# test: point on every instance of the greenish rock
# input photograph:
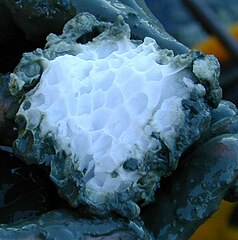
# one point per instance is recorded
(186, 199)
(34, 148)
(206, 147)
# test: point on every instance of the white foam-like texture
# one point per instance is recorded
(103, 105)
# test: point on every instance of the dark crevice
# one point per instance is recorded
(11, 51)
(89, 36)
(233, 220)
(25, 190)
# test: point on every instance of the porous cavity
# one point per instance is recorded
(104, 105)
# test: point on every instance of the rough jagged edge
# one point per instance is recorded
(82, 27)
(124, 201)
(28, 72)
(33, 149)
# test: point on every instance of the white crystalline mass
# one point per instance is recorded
(103, 105)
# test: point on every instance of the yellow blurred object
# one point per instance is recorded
(218, 227)
(213, 46)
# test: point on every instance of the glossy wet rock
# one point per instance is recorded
(38, 18)
(191, 83)
(207, 173)
(174, 216)
(64, 224)
(25, 24)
